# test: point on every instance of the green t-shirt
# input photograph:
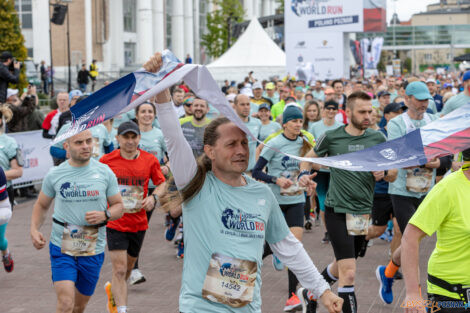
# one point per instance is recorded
(454, 103)
(77, 190)
(396, 128)
(277, 109)
(8, 147)
(280, 165)
(445, 210)
(232, 221)
(349, 192)
(268, 129)
(194, 134)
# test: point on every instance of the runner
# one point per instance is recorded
(216, 193)
(51, 122)
(81, 189)
(242, 108)
(350, 194)
(258, 99)
(5, 215)
(412, 184)
(444, 211)
(133, 168)
(462, 98)
(312, 114)
(193, 126)
(281, 177)
(278, 108)
(268, 126)
(151, 141)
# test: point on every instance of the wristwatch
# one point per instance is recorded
(107, 214)
(273, 179)
(157, 200)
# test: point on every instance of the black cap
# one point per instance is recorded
(331, 103)
(383, 93)
(393, 107)
(6, 55)
(128, 126)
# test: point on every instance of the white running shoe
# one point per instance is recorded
(136, 277)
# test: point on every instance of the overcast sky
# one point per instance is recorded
(406, 8)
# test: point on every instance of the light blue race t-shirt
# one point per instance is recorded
(280, 165)
(8, 147)
(254, 125)
(455, 102)
(318, 128)
(268, 129)
(232, 221)
(77, 190)
(153, 142)
(396, 128)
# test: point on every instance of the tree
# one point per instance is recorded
(219, 22)
(11, 38)
(280, 8)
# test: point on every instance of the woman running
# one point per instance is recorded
(281, 177)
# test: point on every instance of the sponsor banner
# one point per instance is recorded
(323, 15)
(37, 160)
(315, 56)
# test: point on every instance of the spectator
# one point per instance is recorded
(9, 73)
(82, 78)
(225, 87)
(93, 74)
(188, 59)
(51, 122)
(44, 78)
(26, 116)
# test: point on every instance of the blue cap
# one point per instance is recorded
(291, 112)
(466, 76)
(447, 85)
(419, 90)
(383, 93)
(75, 93)
(264, 106)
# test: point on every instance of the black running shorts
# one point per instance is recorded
(382, 208)
(131, 242)
(404, 208)
(344, 245)
(294, 214)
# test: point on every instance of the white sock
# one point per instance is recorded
(122, 309)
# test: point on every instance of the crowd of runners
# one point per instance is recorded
(216, 185)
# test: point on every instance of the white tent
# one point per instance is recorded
(253, 51)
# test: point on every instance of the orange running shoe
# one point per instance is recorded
(293, 304)
(112, 308)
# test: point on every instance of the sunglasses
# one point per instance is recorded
(331, 109)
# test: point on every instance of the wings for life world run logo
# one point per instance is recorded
(236, 219)
(73, 190)
(289, 166)
(315, 7)
(232, 271)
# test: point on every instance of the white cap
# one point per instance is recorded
(430, 80)
(230, 97)
(257, 85)
(11, 92)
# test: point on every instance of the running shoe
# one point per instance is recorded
(178, 238)
(385, 290)
(293, 304)
(277, 264)
(326, 239)
(8, 263)
(398, 275)
(309, 304)
(171, 229)
(317, 220)
(112, 308)
(308, 223)
(136, 277)
(180, 253)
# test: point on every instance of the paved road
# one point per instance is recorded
(29, 287)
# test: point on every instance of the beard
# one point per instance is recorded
(199, 116)
(358, 124)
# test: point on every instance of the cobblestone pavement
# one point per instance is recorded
(29, 287)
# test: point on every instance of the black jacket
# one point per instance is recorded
(82, 77)
(7, 77)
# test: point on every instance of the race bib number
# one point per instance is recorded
(132, 197)
(96, 148)
(357, 224)
(230, 281)
(79, 240)
(295, 189)
(418, 179)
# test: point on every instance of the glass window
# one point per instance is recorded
(168, 13)
(129, 53)
(129, 15)
(24, 10)
(428, 57)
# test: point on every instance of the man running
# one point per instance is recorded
(227, 217)
(193, 126)
(133, 168)
(412, 184)
(444, 211)
(350, 194)
(81, 189)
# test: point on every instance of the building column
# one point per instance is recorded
(158, 26)
(197, 35)
(256, 8)
(88, 33)
(144, 31)
(248, 7)
(113, 50)
(41, 49)
(188, 29)
(177, 29)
